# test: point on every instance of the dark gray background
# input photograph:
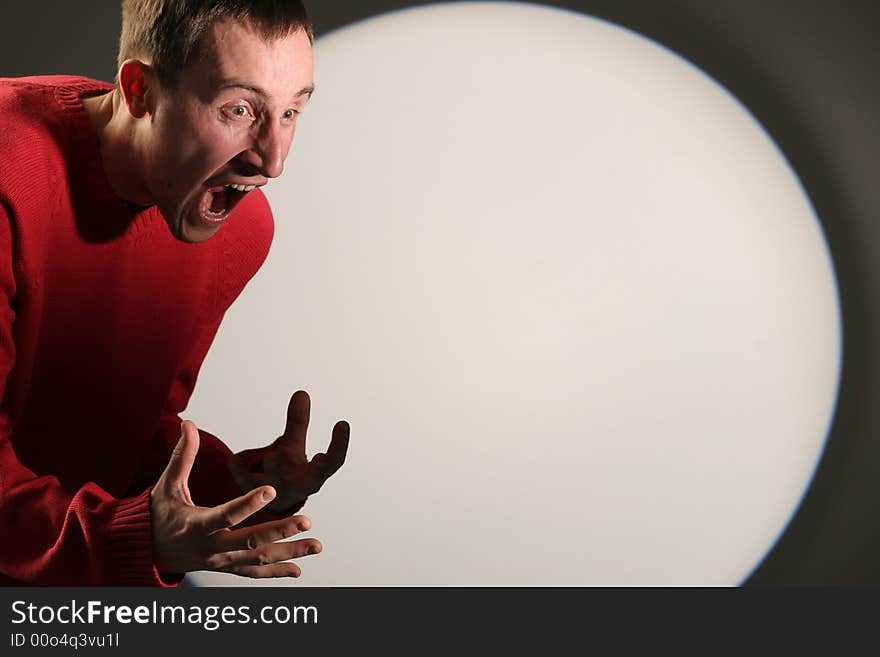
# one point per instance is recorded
(807, 71)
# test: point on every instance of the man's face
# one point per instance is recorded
(227, 127)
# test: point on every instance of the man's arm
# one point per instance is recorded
(54, 535)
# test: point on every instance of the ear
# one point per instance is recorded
(135, 81)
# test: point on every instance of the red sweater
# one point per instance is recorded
(105, 319)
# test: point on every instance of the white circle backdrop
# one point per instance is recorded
(570, 296)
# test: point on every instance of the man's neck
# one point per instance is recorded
(115, 131)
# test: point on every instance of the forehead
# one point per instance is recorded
(233, 51)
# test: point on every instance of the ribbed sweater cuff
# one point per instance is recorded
(131, 544)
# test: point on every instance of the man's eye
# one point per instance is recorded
(238, 111)
(289, 114)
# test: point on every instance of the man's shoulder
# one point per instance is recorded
(25, 108)
(41, 83)
(38, 116)
(33, 106)
(34, 96)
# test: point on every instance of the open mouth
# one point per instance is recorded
(218, 202)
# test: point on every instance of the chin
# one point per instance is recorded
(195, 235)
(193, 230)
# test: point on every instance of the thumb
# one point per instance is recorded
(182, 458)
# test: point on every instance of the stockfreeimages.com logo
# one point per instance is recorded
(210, 617)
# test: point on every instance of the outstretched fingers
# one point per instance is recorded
(297, 426)
(250, 538)
(265, 560)
(338, 446)
(329, 463)
(283, 569)
(236, 511)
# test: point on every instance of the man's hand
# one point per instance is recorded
(187, 537)
(285, 466)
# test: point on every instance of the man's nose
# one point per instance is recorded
(267, 151)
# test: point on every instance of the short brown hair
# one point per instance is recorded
(168, 33)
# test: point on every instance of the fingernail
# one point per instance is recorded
(268, 495)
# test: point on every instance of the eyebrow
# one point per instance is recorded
(236, 84)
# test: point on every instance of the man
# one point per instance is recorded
(130, 219)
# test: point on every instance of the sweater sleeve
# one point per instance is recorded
(53, 535)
